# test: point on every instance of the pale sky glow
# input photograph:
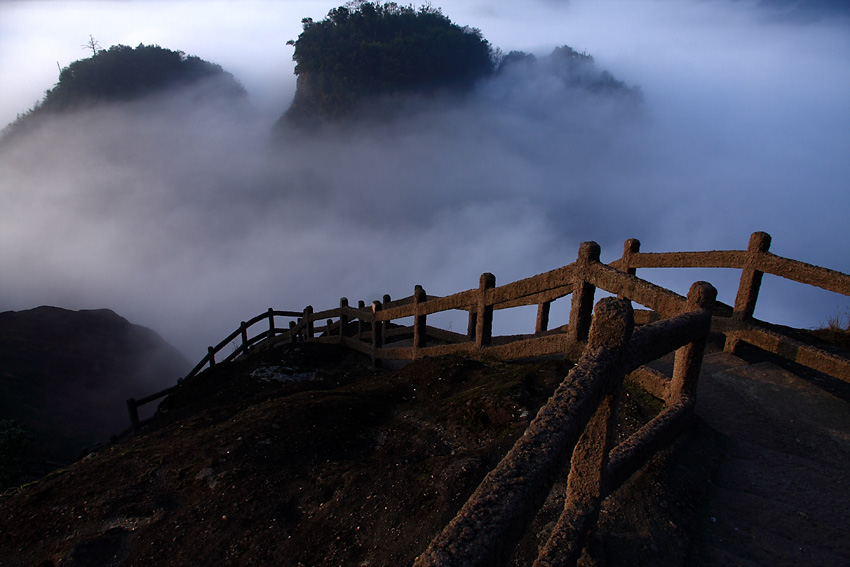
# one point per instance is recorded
(746, 126)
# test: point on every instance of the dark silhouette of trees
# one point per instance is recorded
(92, 44)
(364, 49)
(123, 73)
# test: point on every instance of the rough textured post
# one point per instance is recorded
(343, 317)
(309, 330)
(494, 518)
(243, 330)
(377, 335)
(542, 324)
(211, 356)
(271, 322)
(361, 305)
(420, 329)
(293, 337)
(688, 359)
(484, 320)
(133, 410)
(471, 326)
(587, 482)
(386, 300)
(581, 309)
(586, 486)
(748, 289)
(630, 247)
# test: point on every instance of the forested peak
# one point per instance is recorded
(363, 49)
(123, 73)
(575, 69)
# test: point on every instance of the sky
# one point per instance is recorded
(182, 218)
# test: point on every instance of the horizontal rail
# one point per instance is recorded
(790, 349)
(708, 259)
(657, 298)
(804, 273)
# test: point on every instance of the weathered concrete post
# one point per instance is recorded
(386, 300)
(688, 359)
(581, 309)
(211, 356)
(309, 329)
(343, 317)
(293, 336)
(243, 330)
(613, 324)
(748, 289)
(361, 305)
(420, 329)
(484, 319)
(133, 410)
(472, 324)
(630, 247)
(271, 322)
(542, 324)
(377, 335)
(486, 529)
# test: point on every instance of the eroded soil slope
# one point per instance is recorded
(337, 464)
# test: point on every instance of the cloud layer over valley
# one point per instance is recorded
(181, 216)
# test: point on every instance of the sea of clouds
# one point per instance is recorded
(184, 217)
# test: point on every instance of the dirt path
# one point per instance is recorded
(780, 494)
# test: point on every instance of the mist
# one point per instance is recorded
(185, 218)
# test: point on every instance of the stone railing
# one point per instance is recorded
(209, 360)
(583, 407)
(576, 424)
(738, 324)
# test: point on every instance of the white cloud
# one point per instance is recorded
(180, 219)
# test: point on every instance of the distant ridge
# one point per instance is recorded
(64, 375)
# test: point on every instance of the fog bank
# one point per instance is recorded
(181, 217)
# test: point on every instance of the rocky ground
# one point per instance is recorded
(302, 456)
(306, 455)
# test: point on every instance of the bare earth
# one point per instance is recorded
(346, 465)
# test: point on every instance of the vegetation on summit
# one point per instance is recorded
(364, 49)
(364, 52)
(123, 73)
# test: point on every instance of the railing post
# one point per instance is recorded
(473, 323)
(271, 322)
(587, 484)
(542, 324)
(688, 361)
(420, 329)
(630, 247)
(377, 335)
(748, 289)
(361, 305)
(386, 300)
(581, 309)
(343, 317)
(133, 410)
(211, 356)
(309, 330)
(487, 527)
(243, 330)
(484, 319)
(612, 328)
(293, 337)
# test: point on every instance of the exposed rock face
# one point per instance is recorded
(65, 375)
